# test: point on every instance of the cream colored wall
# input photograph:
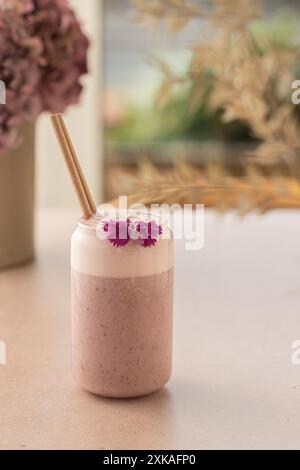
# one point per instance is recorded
(85, 124)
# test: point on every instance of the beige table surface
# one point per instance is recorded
(237, 311)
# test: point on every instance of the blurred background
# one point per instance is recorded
(84, 121)
(148, 120)
(125, 127)
(152, 126)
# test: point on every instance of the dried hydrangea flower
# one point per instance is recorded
(43, 54)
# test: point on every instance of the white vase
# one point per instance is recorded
(17, 202)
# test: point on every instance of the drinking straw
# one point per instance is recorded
(82, 190)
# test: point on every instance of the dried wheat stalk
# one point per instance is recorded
(213, 187)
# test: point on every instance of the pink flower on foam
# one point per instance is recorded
(117, 232)
(120, 232)
(149, 233)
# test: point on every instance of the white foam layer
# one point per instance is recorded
(96, 257)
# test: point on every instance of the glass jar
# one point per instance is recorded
(122, 309)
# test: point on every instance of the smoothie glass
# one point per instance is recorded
(122, 310)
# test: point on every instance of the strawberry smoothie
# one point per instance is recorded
(122, 314)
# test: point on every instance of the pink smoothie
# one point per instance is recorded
(122, 313)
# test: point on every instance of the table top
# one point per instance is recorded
(236, 316)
